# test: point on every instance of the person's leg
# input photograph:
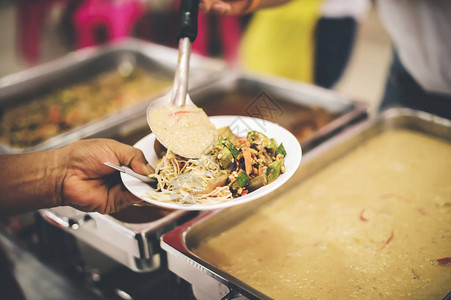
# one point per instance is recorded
(401, 90)
(334, 40)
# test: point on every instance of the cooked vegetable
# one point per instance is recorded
(257, 182)
(227, 133)
(247, 160)
(258, 138)
(242, 180)
(226, 142)
(220, 181)
(254, 161)
(281, 150)
(272, 146)
(274, 170)
(225, 158)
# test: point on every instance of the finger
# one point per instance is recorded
(205, 5)
(234, 8)
(122, 198)
(132, 157)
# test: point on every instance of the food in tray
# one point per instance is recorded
(231, 167)
(301, 120)
(41, 118)
(374, 224)
(184, 130)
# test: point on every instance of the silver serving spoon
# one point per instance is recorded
(126, 170)
(178, 95)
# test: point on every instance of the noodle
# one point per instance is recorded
(184, 181)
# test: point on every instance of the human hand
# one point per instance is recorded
(228, 8)
(87, 184)
(235, 7)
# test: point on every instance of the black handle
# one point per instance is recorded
(189, 10)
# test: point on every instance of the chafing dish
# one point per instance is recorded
(311, 113)
(210, 282)
(83, 65)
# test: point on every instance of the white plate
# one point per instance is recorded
(240, 126)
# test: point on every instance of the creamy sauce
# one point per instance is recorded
(371, 225)
(186, 130)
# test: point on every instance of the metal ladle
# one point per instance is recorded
(178, 95)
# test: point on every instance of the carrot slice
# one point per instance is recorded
(247, 160)
(388, 241)
(180, 112)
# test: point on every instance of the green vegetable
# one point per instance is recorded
(272, 146)
(226, 142)
(242, 180)
(253, 136)
(281, 150)
(274, 170)
(226, 132)
(257, 182)
(225, 158)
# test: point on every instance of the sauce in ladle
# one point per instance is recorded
(186, 130)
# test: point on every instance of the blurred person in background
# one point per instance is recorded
(334, 38)
(307, 40)
(420, 73)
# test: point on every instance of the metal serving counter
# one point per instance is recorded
(210, 282)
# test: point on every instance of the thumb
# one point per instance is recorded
(131, 157)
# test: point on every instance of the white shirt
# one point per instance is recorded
(357, 9)
(421, 33)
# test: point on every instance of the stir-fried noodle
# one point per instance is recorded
(186, 180)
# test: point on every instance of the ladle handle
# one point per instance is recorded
(188, 33)
(189, 12)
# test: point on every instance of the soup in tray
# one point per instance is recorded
(374, 224)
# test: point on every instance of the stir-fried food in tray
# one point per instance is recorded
(232, 167)
(44, 117)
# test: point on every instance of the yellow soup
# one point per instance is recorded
(375, 224)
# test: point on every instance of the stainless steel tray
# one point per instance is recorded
(216, 283)
(267, 97)
(86, 63)
(130, 237)
(282, 101)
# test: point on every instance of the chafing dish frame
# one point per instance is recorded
(207, 278)
(135, 245)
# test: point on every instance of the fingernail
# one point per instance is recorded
(148, 169)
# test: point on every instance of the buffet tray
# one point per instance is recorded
(211, 282)
(82, 65)
(294, 105)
